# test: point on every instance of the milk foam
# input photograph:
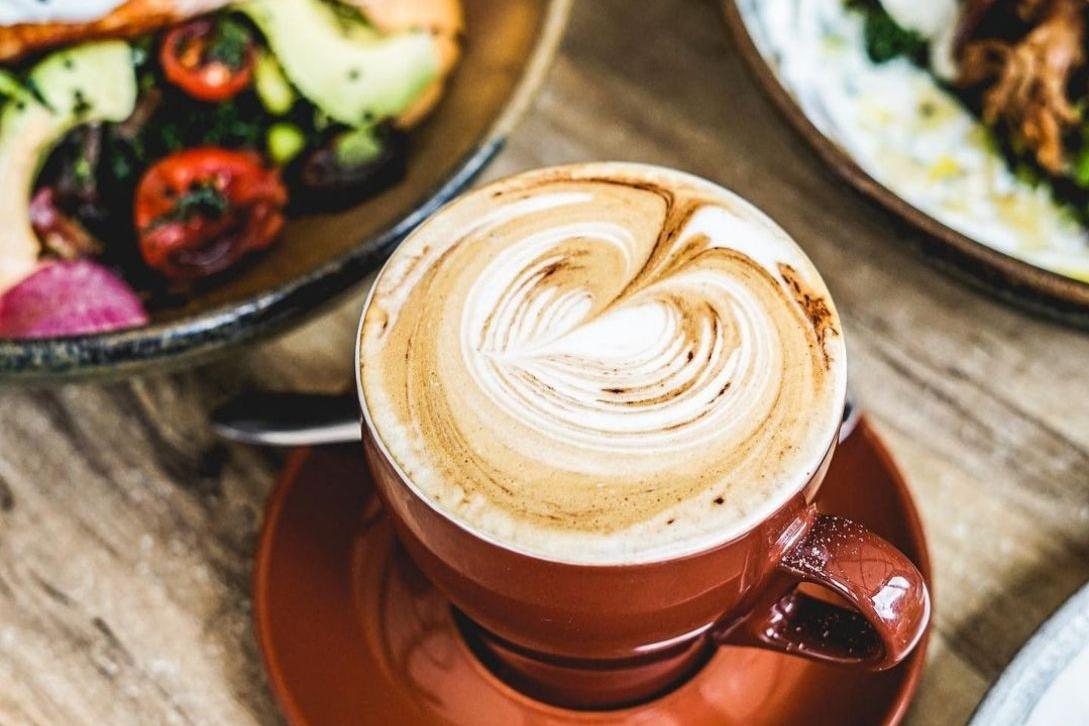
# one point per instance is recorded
(603, 363)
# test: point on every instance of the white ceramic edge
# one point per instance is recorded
(1036, 278)
(1040, 661)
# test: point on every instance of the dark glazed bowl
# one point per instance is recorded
(1014, 281)
(508, 48)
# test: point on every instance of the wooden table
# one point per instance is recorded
(126, 529)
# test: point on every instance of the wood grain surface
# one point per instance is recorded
(126, 529)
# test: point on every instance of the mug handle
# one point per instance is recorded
(889, 597)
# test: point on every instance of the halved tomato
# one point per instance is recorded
(199, 211)
(209, 60)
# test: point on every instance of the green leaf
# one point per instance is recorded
(885, 39)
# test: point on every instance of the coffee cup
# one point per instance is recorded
(598, 402)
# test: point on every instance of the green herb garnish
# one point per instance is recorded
(83, 172)
(230, 125)
(80, 105)
(201, 200)
(885, 39)
(230, 44)
(36, 93)
(1081, 169)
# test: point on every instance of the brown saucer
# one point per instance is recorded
(352, 633)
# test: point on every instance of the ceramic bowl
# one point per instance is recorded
(1011, 279)
(508, 47)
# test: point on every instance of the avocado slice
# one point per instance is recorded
(342, 65)
(10, 85)
(83, 84)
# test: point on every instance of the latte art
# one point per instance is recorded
(602, 363)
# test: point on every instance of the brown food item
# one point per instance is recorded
(444, 19)
(128, 20)
(1030, 76)
(61, 234)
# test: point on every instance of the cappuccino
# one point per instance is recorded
(602, 363)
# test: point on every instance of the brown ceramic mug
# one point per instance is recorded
(591, 635)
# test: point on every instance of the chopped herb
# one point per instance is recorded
(230, 44)
(80, 105)
(36, 92)
(349, 18)
(171, 137)
(227, 124)
(121, 167)
(885, 39)
(201, 200)
(83, 171)
(1027, 174)
(1081, 169)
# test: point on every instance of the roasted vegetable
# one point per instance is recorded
(200, 210)
(347, 168)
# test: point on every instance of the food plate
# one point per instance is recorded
(1042, 276)
(506, 53)
(1045, 683)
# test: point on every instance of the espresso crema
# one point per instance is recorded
(603, 363)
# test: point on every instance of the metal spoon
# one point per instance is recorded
(288, 419)
(310, 419)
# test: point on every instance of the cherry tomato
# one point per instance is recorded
(210, 61)
(199, 211)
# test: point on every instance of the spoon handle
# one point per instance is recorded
(312, 419)
(288, 419)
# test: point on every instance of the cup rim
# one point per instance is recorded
(749, 523)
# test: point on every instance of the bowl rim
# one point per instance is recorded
(1013, 280)
(189, 339)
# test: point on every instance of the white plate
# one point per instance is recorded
(1047, 684)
